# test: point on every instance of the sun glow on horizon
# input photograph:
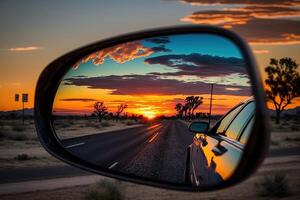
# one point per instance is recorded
(149, 114)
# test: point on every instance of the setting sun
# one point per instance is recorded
(149, 114)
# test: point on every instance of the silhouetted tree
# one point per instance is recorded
(179, 109)
(120, 109)
(100, 110)
(189, 104)
(110, 115)
(192, 103)
(185, 110)
(197, 101)
(283, 83)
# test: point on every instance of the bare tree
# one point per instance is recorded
(100, 110)
(120, 109)
(283, 83)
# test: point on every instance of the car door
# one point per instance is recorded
(215, 156)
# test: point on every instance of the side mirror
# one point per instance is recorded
(119, 107)
(199, 127)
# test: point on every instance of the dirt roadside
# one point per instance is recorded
(247, 189)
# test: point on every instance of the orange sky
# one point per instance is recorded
(28, 46)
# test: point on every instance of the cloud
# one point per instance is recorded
(30, 48)
(126, 52)
(243, 2)
(153, 85)
(121, 53)
(261, 51)
(159, 40)
(199, 65)
(79, 99)
(260, 22)
(160, 48)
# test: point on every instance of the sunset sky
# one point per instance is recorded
(152, 75)
(33, 33)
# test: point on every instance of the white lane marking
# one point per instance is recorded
(156, 134)
(113, 165)
(75, 145)
(194, 174)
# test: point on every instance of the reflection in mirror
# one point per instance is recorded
(128, 108)
(198, 127)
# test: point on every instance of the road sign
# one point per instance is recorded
(25, 97)
(17, 97)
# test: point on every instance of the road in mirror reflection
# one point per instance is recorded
(128, 108)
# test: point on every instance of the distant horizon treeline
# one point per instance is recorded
(101, 112)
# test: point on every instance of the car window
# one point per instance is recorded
(227, 119)
(247, 131)
(240, 121)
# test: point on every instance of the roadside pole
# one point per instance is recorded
(211, 95)
(24, 99)
(23, 112)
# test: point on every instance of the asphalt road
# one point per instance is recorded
(156, 152)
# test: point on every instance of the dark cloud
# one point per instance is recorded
(78, 99)
(153, 85)
(158, 40)
(80, 76)
(199, 65)
(160, 48)
(161, 41)
(269, 31)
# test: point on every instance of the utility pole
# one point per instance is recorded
(211, 96)
(23, 112)
(24, 99)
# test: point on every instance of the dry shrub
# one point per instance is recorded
(18, 127)
(104, 190)
(105, 124)
(273, 186)
(23, 157)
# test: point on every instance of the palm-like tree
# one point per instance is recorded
(191, 104)
(196, 103)
(179, 109)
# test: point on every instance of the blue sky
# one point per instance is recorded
(34, 32)
(205, 44)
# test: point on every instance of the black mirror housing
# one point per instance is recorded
(253, 152)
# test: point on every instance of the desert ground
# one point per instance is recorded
(20, 149)
(19, 145)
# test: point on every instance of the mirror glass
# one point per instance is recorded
(128, 107)
(198, 127)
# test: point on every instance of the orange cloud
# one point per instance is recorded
(243, 2)
(261, 51)
(217, 18)
(30, 48)
(261, 23)
(121, 53)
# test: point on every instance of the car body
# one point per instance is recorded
(214, 154)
